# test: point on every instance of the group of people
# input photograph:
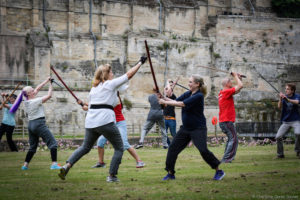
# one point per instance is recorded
(105, 121)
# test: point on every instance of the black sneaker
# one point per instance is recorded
(280, 156)
(298, 154)
(63, 173)
(98, 165)
(139, 145)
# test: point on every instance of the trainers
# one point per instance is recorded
(140, 164)
(24, 168)
(55, 166)
(169, 177)
(298, 154)
(139, 145)
(219, 175)
(111, 179)
(280, 156)
(63, 173)
(165, 147)
(98, 165)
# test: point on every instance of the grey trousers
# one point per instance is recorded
(112, 134)
(149, 124)
(232, 142)
(283, 129)
(37, 128)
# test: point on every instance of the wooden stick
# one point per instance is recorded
(182, 86)
(65, 84)
(152, 71)
(243, 76)
(174, 84)
(4, 102)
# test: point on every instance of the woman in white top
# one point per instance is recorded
(100, 119)
(37, 124)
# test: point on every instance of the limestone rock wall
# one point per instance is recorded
(231, 35)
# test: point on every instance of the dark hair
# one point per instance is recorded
(13, 96)
(292, 86)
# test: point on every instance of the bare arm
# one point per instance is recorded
(168, 99)
(238, 81)
(37, 89)
(49, 95)
(6, 106)
(279, 102)
(134, 69)
(172, 102)
(1, 103)
(293, 101)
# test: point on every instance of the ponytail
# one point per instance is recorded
(18, 101)
(101, 74)
(202, 87)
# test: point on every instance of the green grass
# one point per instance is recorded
(71, 136)
(255, 174)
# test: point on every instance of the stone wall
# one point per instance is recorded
(231, 35)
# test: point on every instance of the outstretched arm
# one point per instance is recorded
(237, 78)
(280, 101)
(293, 101)
(37, 89)
(1, 103)
(49, 95)
(134, 69)
(171, 102)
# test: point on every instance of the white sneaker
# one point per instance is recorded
(140, 164)
(111, 179)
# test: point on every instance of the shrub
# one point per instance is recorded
(286, 8)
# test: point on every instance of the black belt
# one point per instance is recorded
(39, 118)
(100, 106)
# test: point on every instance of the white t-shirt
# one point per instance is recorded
(34, 108)
(104, 93)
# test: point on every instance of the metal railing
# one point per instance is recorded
(132, 130)
(259, 129)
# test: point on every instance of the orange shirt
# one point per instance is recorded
(226, 105)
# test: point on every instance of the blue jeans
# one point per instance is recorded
(123, 131)
(170, 124)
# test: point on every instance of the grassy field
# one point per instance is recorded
(255, 174)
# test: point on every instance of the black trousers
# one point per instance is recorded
(9, 131)
(181, 140)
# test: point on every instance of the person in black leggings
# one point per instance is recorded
(8, 123)
(193, 128)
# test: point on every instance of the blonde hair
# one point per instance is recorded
(202, 87)
(101, 74)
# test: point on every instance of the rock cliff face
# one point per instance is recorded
(76, 36)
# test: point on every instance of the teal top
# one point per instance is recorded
(8, 118)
